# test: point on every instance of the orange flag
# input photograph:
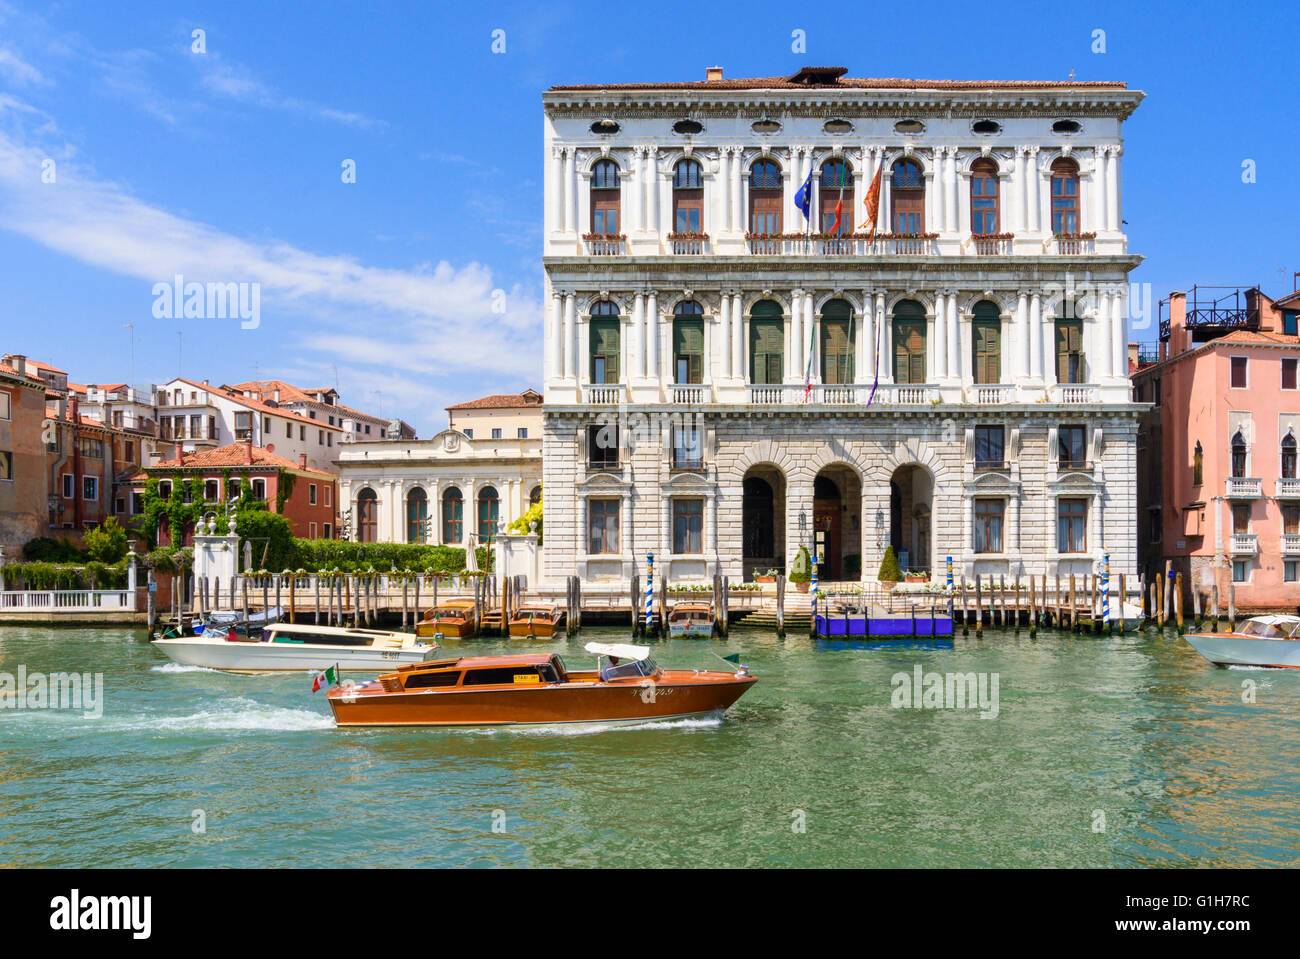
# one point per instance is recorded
(872, 203)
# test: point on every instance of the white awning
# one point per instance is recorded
(621, 650)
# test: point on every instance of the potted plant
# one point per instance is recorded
(801, 570)
(915, 577)
(765, 576)
(889, 573)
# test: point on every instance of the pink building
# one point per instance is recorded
(1218, 487)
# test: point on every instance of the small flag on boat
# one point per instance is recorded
(733, 658)
(327, 678)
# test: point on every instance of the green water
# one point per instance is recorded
(1138, 727)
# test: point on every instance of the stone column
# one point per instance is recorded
(810, 344)
(723, 182)
(1022, 345)
(1035, 337)
(886, 212)
(1017, 207)
(652, 334)
(723, 344)
(793, 334)
(571, 191)
(865, 348)
(652, 173)
(636, 208)
(642, 334)
(738, 336)
(1119, 334)
(557, 189)
(1101, 337)
(953, 203)
(555, 337)
(1048, 337)
(885, 339)
(1112, 188)
(570, 346)
(1100, 190)
(738, 223)
(1035, 205)
(939, 345)
(957, 357)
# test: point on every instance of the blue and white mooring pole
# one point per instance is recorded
(949, 583)
(814, 590)
(649, 589)
(1105, 590)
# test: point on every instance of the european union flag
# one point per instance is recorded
(803, 199)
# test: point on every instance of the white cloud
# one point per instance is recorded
(234, 81)
(18, 70)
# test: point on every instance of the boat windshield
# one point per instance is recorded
(633, 670)
(1253, 627)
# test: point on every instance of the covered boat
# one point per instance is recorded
(287, 647)
(455, 617)
(224, 620)
(1259, 641)
(537, 619)
(691, 619)
(626, 686)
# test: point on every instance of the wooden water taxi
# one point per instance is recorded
(537, 619)
(691, 619)
(537, 689)
(284, 647)
(453, 618)
(1272, 641)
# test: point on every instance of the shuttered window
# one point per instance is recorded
(604, 350)
(909, 342)
(837, 343)
(766, 343)
(1069, 351)
(986, 337)
(688, 346)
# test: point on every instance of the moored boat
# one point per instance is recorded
(691, 619)
(455, 617)
(537, 619)
(285, 647)
(626, 686)
(224, 620)
(1259, 641)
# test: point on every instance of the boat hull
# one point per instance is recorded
(674, 696)
(536, 630)
(1231, 649)
(690, 630)
(427, 629)
(283, 657)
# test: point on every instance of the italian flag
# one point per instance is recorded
(327, 678)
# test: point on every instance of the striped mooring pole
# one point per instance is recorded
(949, 572)
(1105, 591)
(814, 592)
(649, 590)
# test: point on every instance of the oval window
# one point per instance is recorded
(688, 127)
(604, 127)
(1066, 126)
(838, 126)
(766, 126)
(909, 126)
(986, 126)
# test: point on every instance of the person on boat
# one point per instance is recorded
(609, 668)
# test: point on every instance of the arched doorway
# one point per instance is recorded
(763, 521)
(367, 516)
(911, 495)
(837, 523)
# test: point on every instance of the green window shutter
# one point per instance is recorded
(604, 343)
(909, 351)
(688, 343)
(766, 349)
(988, 351)
(837, 352)
(1069, 344)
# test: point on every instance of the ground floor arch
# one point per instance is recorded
(911, 506)
(763, 520)
(837, 522)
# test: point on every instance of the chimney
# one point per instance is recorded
(1132, 357)
(712, 73)
(248, 452)
(180, 453)
(18, 362)
(1179, 334)
(302, 461)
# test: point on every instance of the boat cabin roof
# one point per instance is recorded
(693, 608)
(621, 650)
(292, 628)
(1278, 619)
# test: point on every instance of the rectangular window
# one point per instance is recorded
(837, 352)
(602, 447)
(243, 426)
(1071, 525)
(688, 448)
(602, 526)
(989, 447)
(259, 489)
(1241, 571)
(196, 425)
(1069, 351)
(988, 525)
(320, 437)
(909, 351)
(68, 486)
(137, 503)
(1290, 571)
(523, 433)
(212, 490)
(688, 350)
(988, 350)
(688, 526)
(311, 494)
(92, 448)
(688, 211)
(288, 430)
(5, 411)
(6, 465)
(266, 425)
(1071, 443)
(496, 433)
(1289, 323)
(329, 491)
(1238, 373)
(302, 434)
(90, 488)
(766, 350)
(604, 212)
(311, 530)
(604, 350)
(328, 531)
(1288, 373)
(1291, 520)
(1240, 519)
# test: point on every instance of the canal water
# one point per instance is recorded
(1123, 751)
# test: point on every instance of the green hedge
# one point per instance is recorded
(43, 575)
(316, 555)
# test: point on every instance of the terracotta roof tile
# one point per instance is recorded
(852, 83)
(230, 394)
(502, 401)
(233, 455)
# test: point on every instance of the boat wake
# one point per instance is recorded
(179, 668)
(586, 729)
(237, 714)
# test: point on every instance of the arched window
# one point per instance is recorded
(688, 197)
(836, 198)
(1065, 196)
(984, 207)
(837, 342)
(605, 198)
(535, 496)
(453, 516)
(604, 335)
(766, 343)
(909, 342)
(688, 342)
(367, 516)
(907, 196)
(1198, 464)
(1238, 455)
(765, 197)
(1288, 456)
(986, 342)
(489, 509)
(417, 515)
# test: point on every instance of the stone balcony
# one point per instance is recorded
(1288, 488)
(1243, 487)
(1245, 544)
(1291, 544)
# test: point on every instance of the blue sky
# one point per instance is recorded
(226, 165)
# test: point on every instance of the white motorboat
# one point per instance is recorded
(1259, 641)
(284, 647)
